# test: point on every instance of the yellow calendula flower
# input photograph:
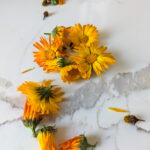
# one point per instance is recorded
(93, 57)
(86, 34)
(43, 97)
(48, 51)
(70, 73)
(46, 138)
(31, 118)
(76, 143)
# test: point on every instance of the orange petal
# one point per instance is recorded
(28, 70)
(117, 109)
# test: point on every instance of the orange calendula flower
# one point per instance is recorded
(117, 109)
(91, 58)
(86, 34)
(46, 138)
(70, 73)
(31, 118)
(62, 33)
(43, 97)
(76, 143)
(61, 2)
(48, 51)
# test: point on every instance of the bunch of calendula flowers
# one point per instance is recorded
(41, 100)
(74, 52)
(53, 2)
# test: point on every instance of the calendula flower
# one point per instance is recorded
(76, 143)
(31, 118)
(61, 2)
(46, 138)
(43, 97)
(93, 57)
(86, 34)
(131, 119)
(70, 73)
(48, 51)
(62, 33)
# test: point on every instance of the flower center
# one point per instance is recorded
(50, 54)
(91, 58)
(84, 39)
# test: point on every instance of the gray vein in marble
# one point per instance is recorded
(12, 101)
(84, 97)
(125, 83)
(92, 91)
(4, 83)
(10, 121)
(116, 145)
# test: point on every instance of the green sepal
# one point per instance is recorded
(62, 62)
(54, 31)
(54, 2)
(32, 124)
(47, 33)
(45, 129)
(45, 92)
(84, 144)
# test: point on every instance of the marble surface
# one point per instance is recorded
(124, 28)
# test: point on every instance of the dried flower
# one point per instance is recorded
(131, 119)
(46, 2)
(45, 14)
(43, 97)
(76, 143)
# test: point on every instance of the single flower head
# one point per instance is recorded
(86, 34)
(61, 2)
(131, 119)
(92, 58)
(62, 33)
(31, 118)
(48, 51)
(46, 138)
(43, 97)
(70, 73)
(76, 143)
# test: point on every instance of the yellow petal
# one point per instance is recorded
(25, 71)
(117, 109)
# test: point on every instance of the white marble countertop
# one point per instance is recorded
(124, 27)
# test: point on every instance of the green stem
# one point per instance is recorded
(89, 145)
(47, 33)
